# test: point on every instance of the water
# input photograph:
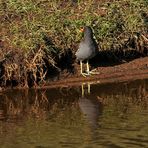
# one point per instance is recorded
(85, 116)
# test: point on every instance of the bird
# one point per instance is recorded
(87, 49)
(90, 106)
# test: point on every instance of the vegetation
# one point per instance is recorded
(36, 33)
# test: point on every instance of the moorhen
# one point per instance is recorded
(87, 49)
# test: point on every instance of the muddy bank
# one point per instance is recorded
(113, 66)
(128, 71)
(133, 70)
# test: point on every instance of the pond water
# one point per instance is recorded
(85, 116)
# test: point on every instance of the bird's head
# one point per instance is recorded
(82, 29)
(87, 31)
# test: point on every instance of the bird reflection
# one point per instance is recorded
(90, 106)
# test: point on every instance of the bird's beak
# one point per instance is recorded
(82, 30)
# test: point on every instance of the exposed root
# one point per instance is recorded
(31, 71)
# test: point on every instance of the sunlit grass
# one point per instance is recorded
(26, 20)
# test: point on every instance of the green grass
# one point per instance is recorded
(24, 21)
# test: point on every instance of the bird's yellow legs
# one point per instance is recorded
(82, 73)
(92, 71)
(83, 90)
(88, 71)
(87, 65)
(81, 67)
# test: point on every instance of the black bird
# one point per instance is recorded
(87, 49)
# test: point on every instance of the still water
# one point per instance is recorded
(84, 116)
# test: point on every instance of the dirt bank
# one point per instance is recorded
(113, 71)
(128, 71)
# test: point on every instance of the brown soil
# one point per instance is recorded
(109, 73)
(133, 70)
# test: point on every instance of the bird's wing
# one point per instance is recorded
(77, 51)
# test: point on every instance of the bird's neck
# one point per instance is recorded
(88, 38)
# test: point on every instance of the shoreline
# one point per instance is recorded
(130, 71)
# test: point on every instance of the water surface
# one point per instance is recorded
(86, 116)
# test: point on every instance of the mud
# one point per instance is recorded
(129, 71)
(111, 68)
